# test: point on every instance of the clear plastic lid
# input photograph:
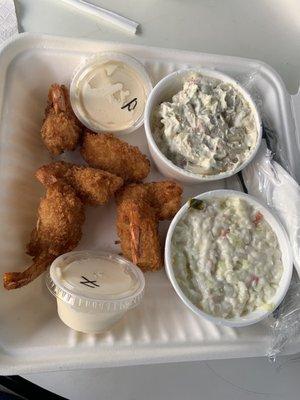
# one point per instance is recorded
(96, 280)
(109, 91)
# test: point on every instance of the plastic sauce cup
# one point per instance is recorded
(94, 289)
(109, 91)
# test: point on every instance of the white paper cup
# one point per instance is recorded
(164, 91)
(287, 261)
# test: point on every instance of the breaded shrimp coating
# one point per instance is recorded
(164, 197)
(139, 208)
(105, 151)
(58, 230)
(61, 129)
(137, 228)
(92, 185)
(60, 217)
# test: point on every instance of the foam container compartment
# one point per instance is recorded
(161, 329)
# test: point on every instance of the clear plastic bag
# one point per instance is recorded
(269, 177)
(285, 326)
(277, 148)
(265, 179)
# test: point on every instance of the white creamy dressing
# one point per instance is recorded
(97, 278)
(112, 95)
(206, 128)
(226, 257)
(92, 279)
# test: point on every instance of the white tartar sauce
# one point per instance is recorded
(206, 128)
(109, 95)
(94, 290)
(226, 257)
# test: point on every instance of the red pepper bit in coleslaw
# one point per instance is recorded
(258, 217)
(252, 279)
(224, 232)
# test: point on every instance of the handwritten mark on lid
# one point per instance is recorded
(130, 105)
(88, 283)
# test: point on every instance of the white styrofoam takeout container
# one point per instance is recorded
(161, 329)
(164, 91)
(284, 245)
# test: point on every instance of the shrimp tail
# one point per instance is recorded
(15, 280)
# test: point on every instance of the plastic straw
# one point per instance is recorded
(115, 19)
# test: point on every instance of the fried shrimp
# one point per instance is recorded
(92, 185)
(139, 209)
(164, 196)
(58, 230)
(105, 151)
(137, 228)
(61, 129)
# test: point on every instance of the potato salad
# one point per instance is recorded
(226, 257)
(207, 128)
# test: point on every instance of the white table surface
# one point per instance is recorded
(268, 30)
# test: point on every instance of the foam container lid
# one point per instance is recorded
(161, 329)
